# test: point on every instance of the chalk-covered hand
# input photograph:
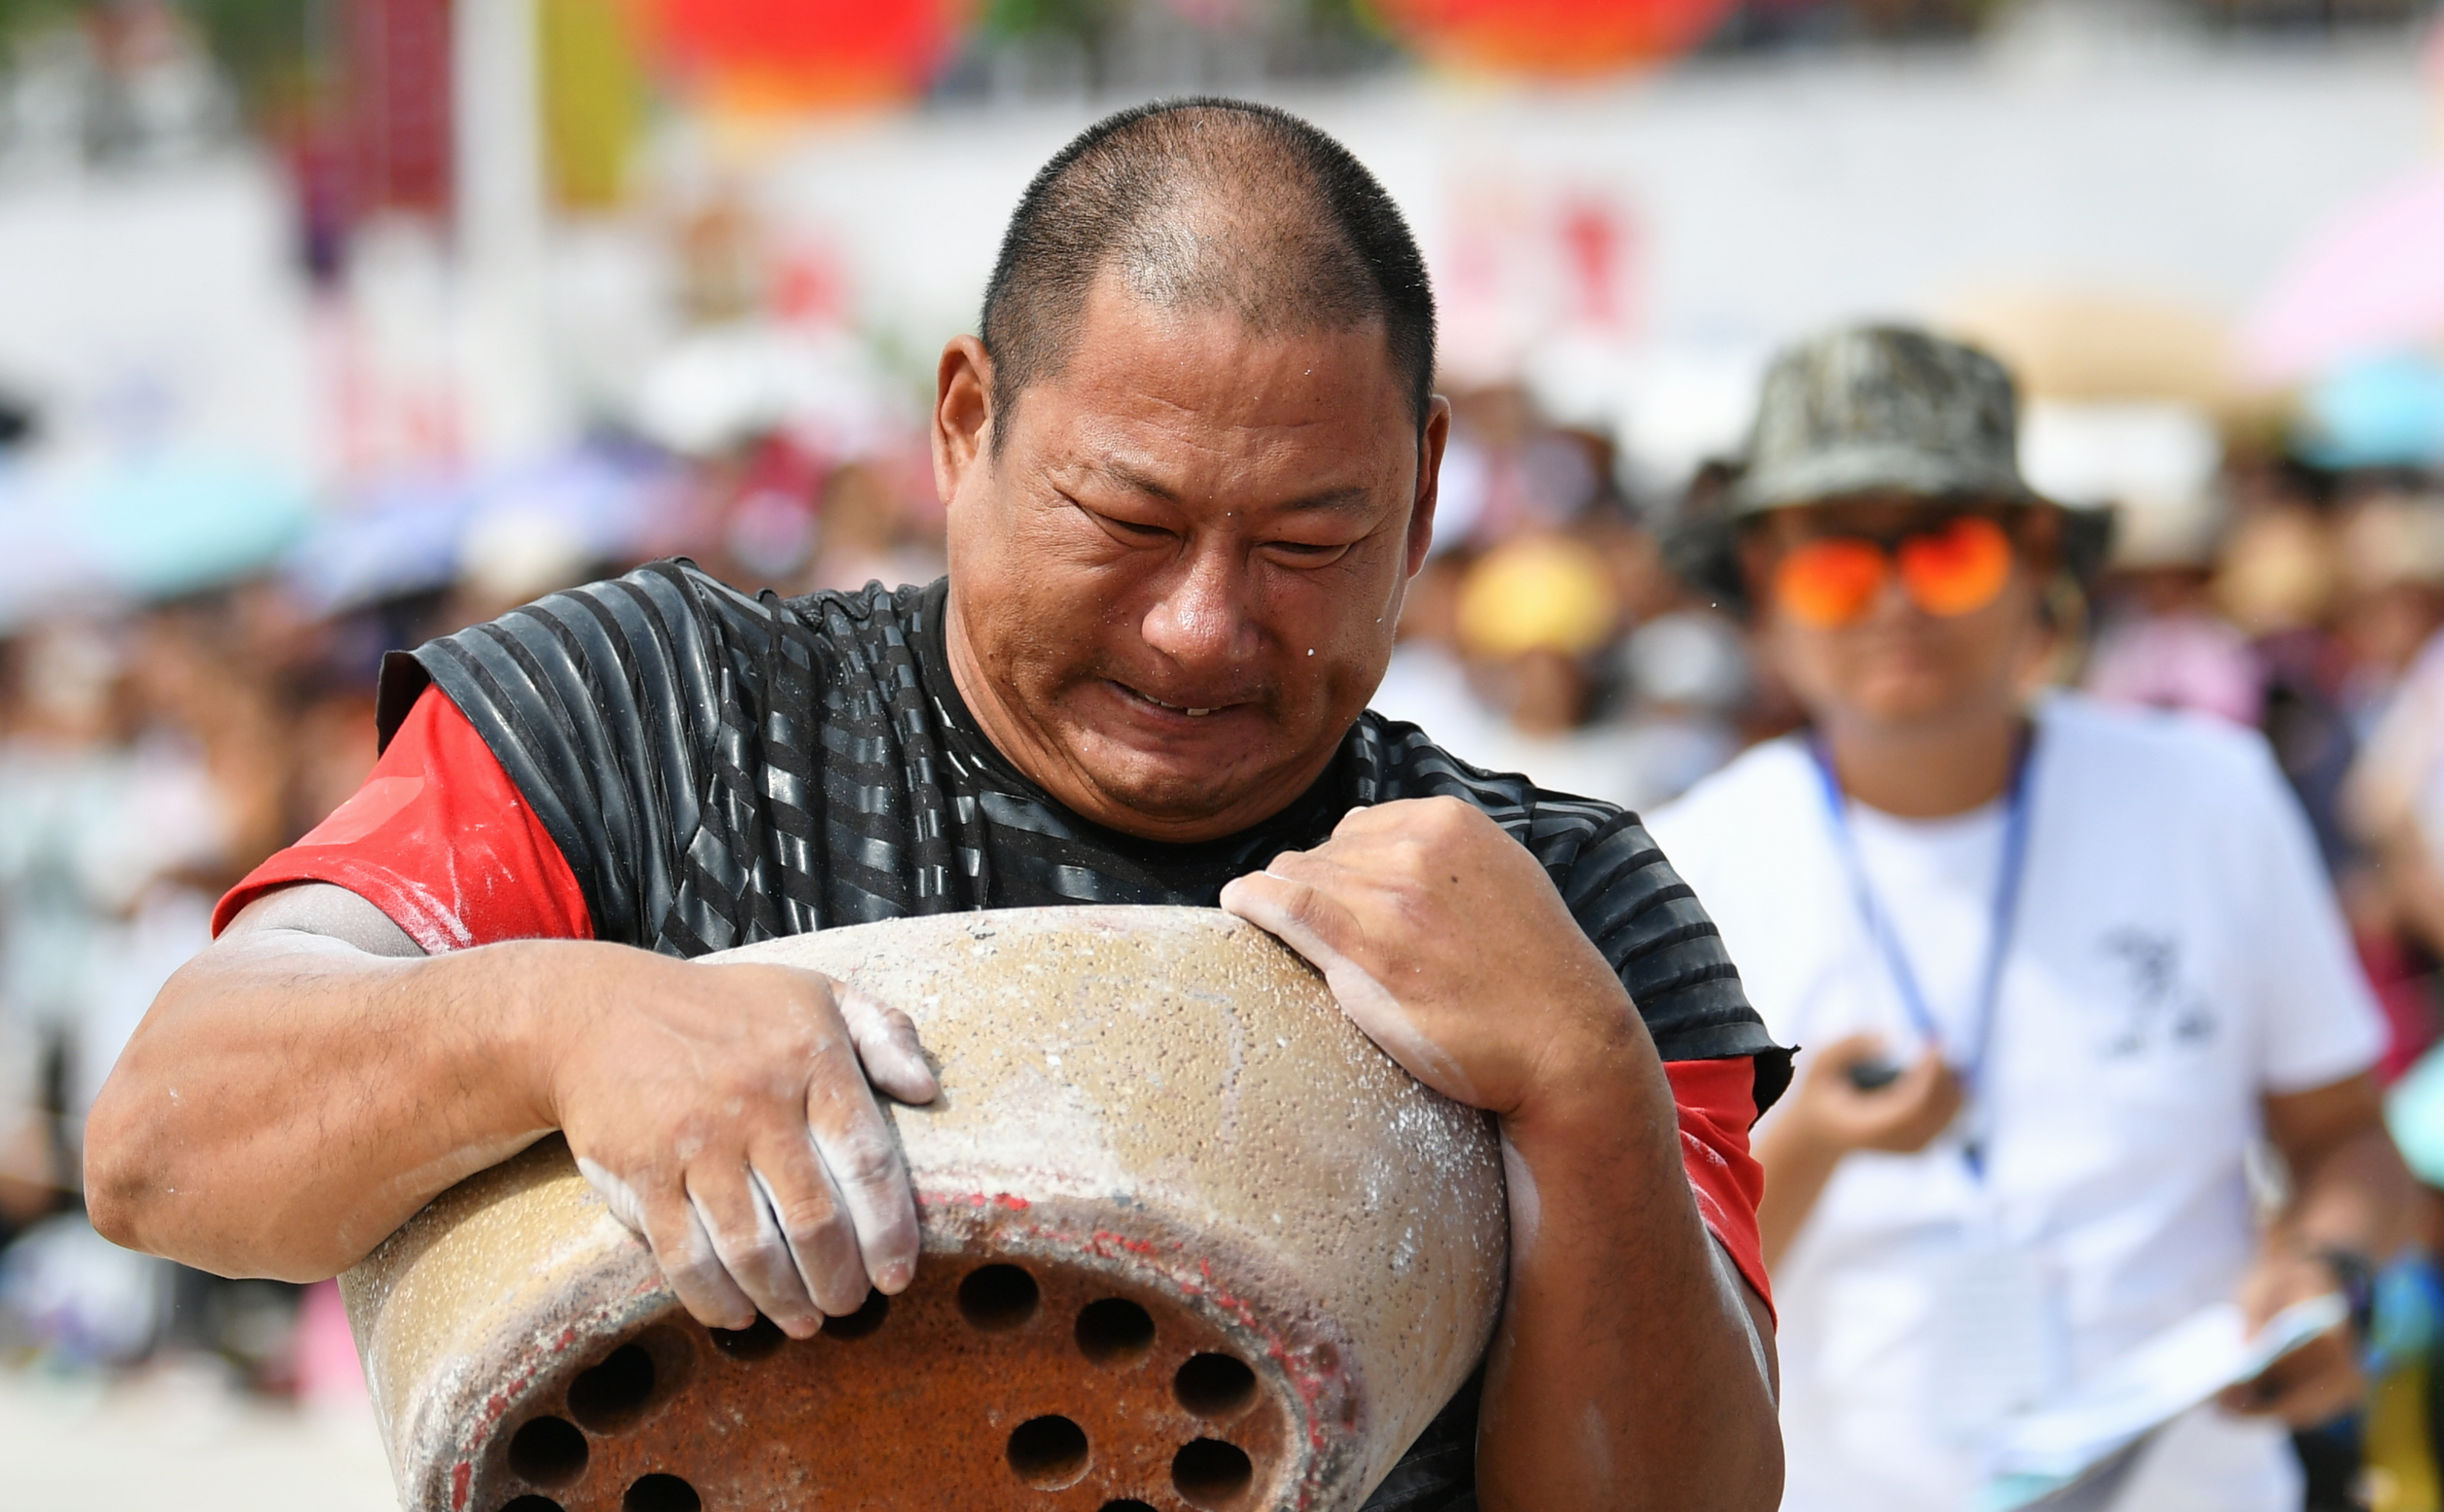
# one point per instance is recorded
(724, 1112)
(1444, 940)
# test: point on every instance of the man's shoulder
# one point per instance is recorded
(1617, 884)
(666, 613)
(903, 608)
(832, 614)
(671, 604)
(674, 736)
(1399, 761)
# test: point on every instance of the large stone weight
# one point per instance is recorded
(1190, 1242)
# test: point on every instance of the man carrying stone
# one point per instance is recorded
(1188, 470)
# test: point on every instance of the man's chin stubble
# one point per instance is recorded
(1173, 801)
(1182, 799)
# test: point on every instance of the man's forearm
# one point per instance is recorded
(292, 1099)
(2357, 1196)
(1630, 1370)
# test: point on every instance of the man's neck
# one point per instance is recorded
(1928, 770)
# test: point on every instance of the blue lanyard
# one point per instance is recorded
(1968, 1061)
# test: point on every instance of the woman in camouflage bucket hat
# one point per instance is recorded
(1868, 409)
(2060, 964)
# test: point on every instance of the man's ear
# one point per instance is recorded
(963, 417)
(1432, 437)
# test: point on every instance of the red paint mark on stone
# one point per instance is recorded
(973, 1199)
(462, 1476)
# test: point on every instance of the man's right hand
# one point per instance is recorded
(724, 1112)
(306, 1084)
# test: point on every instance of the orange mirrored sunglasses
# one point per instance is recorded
(1952, 568)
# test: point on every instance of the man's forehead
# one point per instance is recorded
(1176, 476)
(1156, 401)
(1212, 358)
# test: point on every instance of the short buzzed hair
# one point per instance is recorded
(1213, 204)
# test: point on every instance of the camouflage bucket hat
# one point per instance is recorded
(1882, 408)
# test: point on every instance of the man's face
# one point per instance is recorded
(1896, 665)
(1175, 585)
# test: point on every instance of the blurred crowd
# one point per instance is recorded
(166, 721)
(152, 754)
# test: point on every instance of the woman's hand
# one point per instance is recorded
(1830, 1109)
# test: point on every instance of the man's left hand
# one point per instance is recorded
(2320, 1380)
(1445, 941)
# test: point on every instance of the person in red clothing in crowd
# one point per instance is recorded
(1188, 467)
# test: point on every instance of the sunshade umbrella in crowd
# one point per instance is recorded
(152, 525)
(387, 540)
(590, 505)
(2382, 412)
(44, 563)
(170, 525)
(2370, 284)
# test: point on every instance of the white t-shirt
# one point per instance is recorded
(2176, 955)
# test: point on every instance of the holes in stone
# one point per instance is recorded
(1211, 1475)
(547, 1451)
(532, 1503)
(868, 1318)
(1214, 1386)
(758, 1341)
(614, 1393)
(1048, 1452)
(661, 1493)
(1131, 1505)
(1114, 1332)
(998, 1298)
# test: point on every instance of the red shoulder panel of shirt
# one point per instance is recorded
(1716, 1100)
(440, 840)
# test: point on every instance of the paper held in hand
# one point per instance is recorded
(2048, 1450)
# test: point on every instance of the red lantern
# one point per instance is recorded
(1555, 38)
(793, 54)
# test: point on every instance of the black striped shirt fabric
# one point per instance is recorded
(719, 768)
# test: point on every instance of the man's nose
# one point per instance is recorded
(1201, 614)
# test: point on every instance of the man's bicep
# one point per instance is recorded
(326, 909)
(1759, 1316)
